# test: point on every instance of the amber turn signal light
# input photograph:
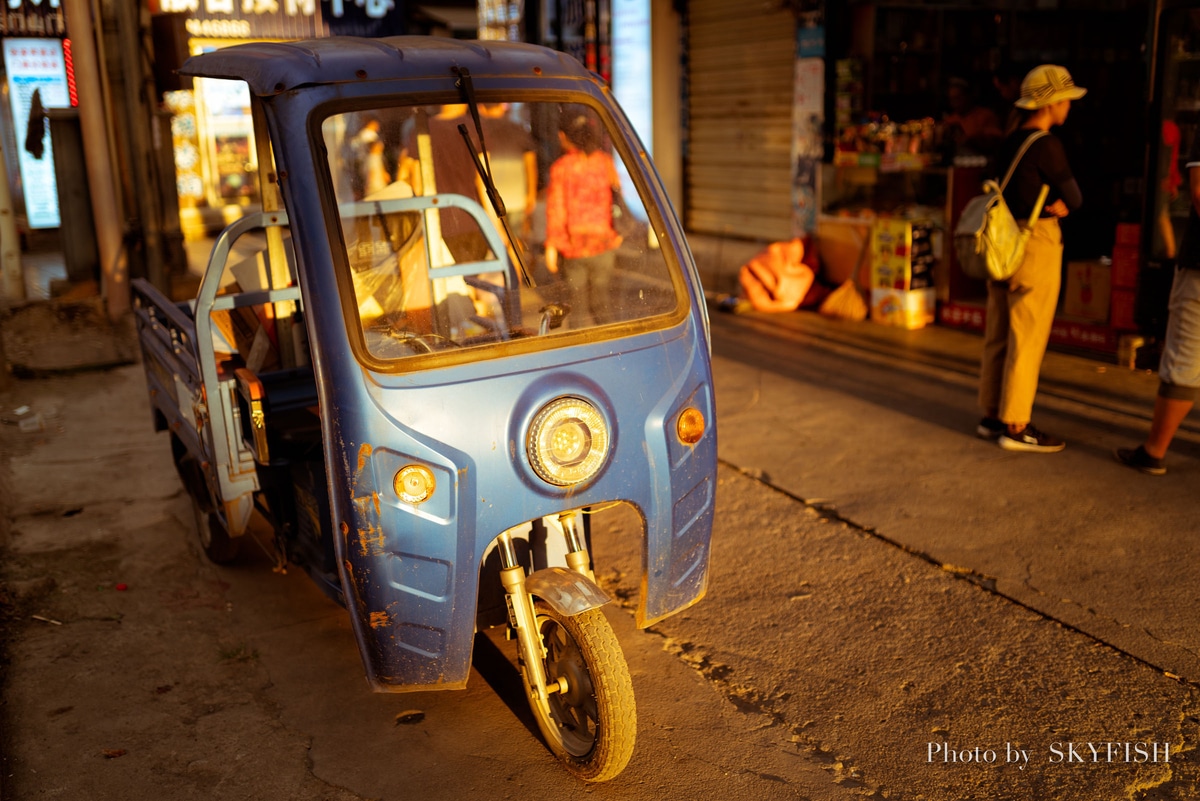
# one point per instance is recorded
(414, 484)
(690, 426)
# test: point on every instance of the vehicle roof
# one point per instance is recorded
(274, 67)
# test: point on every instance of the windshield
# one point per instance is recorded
(435, 267)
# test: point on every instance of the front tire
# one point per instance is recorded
(592, 724)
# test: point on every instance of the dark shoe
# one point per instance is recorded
(989, 428)
(1138, 459)
(1031, 440)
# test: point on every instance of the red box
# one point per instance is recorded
(1129, 234)
(1126, 261)
(1121, 309)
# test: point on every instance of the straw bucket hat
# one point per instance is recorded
(1047, 84)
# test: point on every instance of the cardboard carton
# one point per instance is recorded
(1088, 291)
(902, 255)
(905, 309)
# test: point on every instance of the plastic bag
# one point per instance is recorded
(845, 303)
(777, 279)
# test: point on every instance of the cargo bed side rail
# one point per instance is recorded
(168, 340)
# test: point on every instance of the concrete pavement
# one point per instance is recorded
(873, 426)
(825, 663)
(877, 426)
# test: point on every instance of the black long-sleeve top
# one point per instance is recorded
(1045, 162)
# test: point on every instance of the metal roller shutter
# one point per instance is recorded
(741, 63)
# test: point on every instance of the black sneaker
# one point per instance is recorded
(1031, 440)
(989, 428)
(1138, 459)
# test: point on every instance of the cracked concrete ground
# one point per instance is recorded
(885, 436)
(882, 586)
(137, 670)
(852, 651)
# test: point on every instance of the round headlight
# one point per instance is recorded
(568, 442)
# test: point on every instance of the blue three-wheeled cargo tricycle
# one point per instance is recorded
(464, 318)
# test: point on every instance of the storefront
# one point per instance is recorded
(899, 75)
(889, 178)
(740, 96)
(887, 76)
(37, 76)
(1173, 113)
(212, 130)
(580, 28)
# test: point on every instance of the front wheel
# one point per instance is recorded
(590, 722)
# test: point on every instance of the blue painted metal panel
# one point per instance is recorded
(410, 574)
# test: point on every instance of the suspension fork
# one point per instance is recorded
(523, 620)
(578, 558)
(522, 617)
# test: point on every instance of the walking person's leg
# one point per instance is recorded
(1169, 414)
(575, 280)
(602, 269)
(1178, 374)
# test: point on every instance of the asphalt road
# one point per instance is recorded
(886, 590)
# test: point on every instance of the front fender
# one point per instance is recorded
(568, 593)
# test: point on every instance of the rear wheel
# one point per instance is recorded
(218, 546)
(590, 723)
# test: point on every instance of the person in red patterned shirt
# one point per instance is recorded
(580, 238)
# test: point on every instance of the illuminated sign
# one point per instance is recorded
(32, 18)
(501, 20)
(36, 65)
(283, 19)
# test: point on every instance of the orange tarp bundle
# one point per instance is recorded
(777, 279)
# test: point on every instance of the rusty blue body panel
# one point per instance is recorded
(410, 573)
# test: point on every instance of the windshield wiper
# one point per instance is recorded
(483, 166)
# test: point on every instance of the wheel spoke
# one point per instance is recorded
(570, 718)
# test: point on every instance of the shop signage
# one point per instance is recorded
(36, 66)
(32, 18)
(808, 119)
(363, 17)
(962, 316)
(279, 19)
(810, 42)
